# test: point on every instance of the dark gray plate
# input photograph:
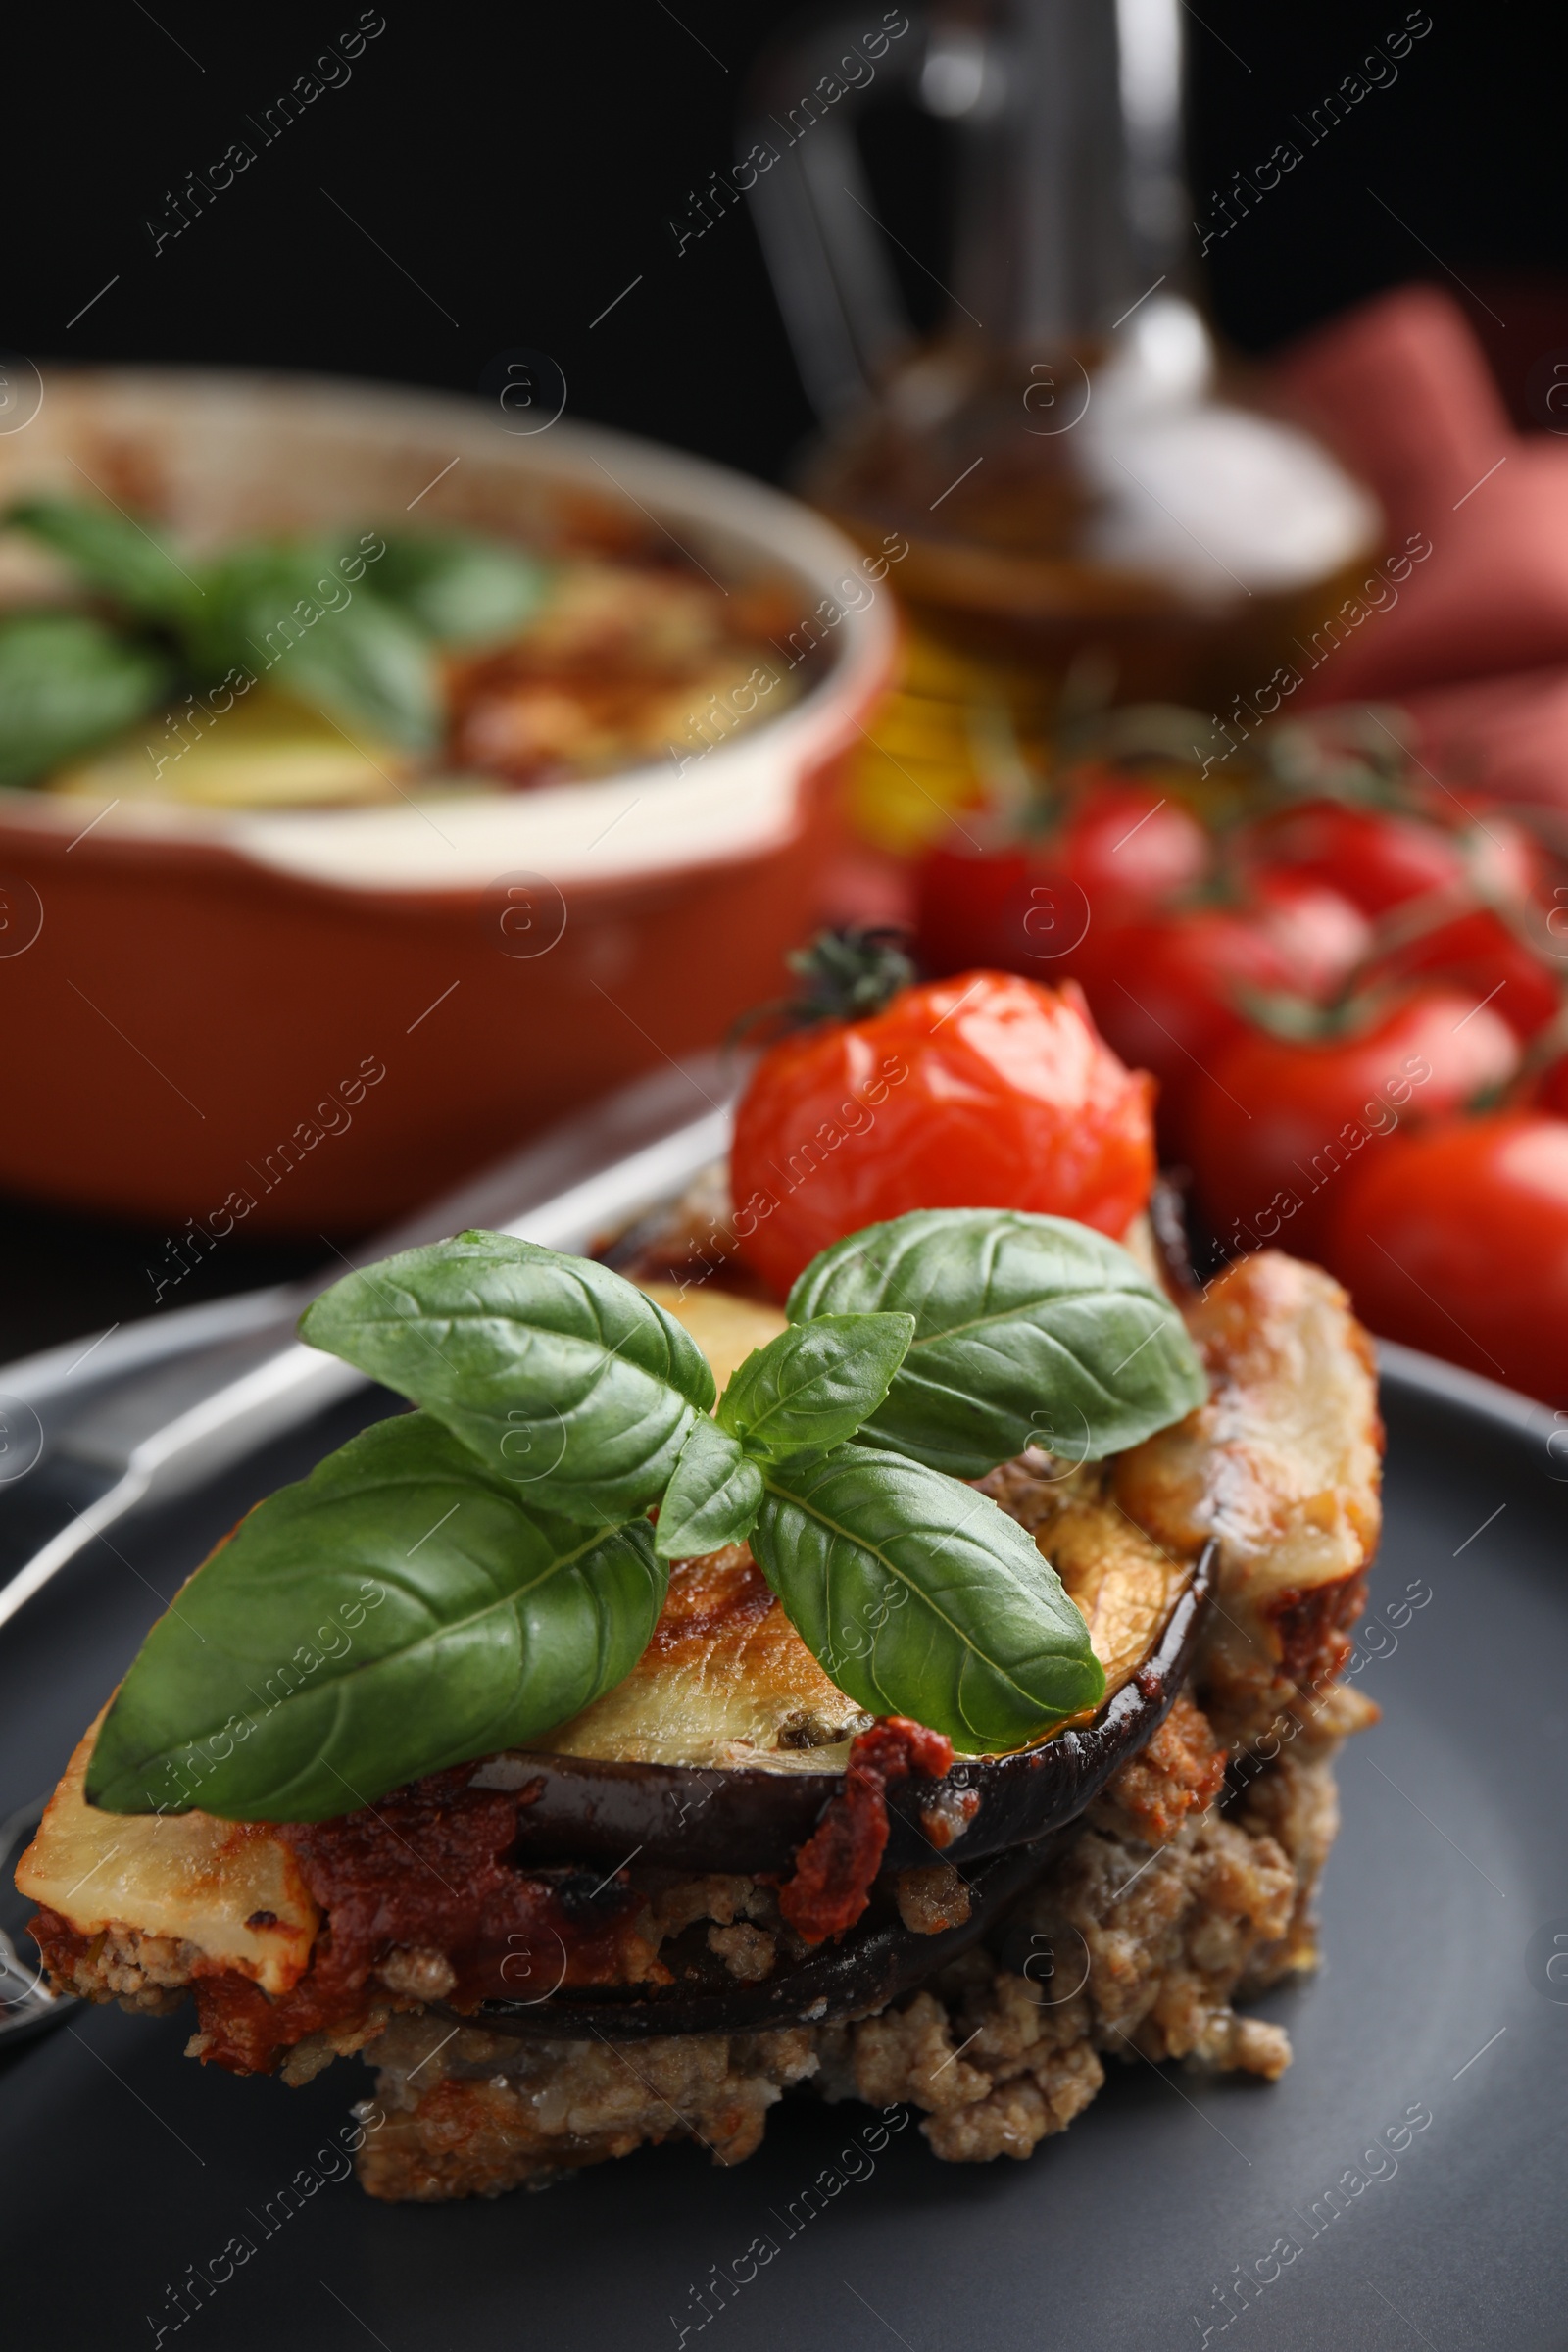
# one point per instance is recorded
(126, 2168)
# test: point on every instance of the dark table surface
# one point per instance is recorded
(64, 1276)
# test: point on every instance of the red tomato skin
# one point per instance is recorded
(1275, 1128)
(1122, 851)
(1375, 858)
(984, 1091)
(970, 908)
(1508, 859)
(1479, 953)
(1129, 848)
(1001, 911)
(1168, 993)
(1552, 1089)
(1455, 1239)
(1321, 934)
(1163, 993)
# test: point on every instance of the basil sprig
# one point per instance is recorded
(464, 590)
(813, 1385)
(803, 1392)
(397, 1611)
(1028, 1330)
(284, 611)
(503, 1526)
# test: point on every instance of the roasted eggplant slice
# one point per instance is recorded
(749, 1819)
(1004, 1815)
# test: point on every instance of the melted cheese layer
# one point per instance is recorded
(229, 1887)
(724, 1679)
(725, 1328)
(1282, 1464)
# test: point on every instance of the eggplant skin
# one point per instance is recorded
(1028, 1804)
(861, 1970)
(736, 1819)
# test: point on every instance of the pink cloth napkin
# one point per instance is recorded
(1476, 647)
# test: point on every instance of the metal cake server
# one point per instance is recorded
(29, 2004)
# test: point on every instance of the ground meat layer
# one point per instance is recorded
(1174, 1901)
(1124, 1948)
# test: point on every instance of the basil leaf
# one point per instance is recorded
(245, 590)
(397, 1612)
(814, 1384)
(1029, 1330)
(921, 1598)
(712, 1498)
(65, 684)
(460, 589)
(286, 612)
(109, 552)
(563, 1378)
(366, 665)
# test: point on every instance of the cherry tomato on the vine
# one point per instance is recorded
(1322, 934)
(1455, 1239)
(1376, 857)
(1275, 1127)
(1170, 993)
(984, 1091)
(1128, 846)
(1166, 994)
(1478, 951)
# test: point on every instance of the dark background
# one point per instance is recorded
(509, 175)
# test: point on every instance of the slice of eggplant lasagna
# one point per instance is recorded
(723, 1879)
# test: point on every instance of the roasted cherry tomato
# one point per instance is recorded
(985, 1091)
(1274, 1127)
(1456, 1240)
(1479, 952)
(1128, 846)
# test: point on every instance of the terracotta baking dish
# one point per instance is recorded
(317, 1018)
